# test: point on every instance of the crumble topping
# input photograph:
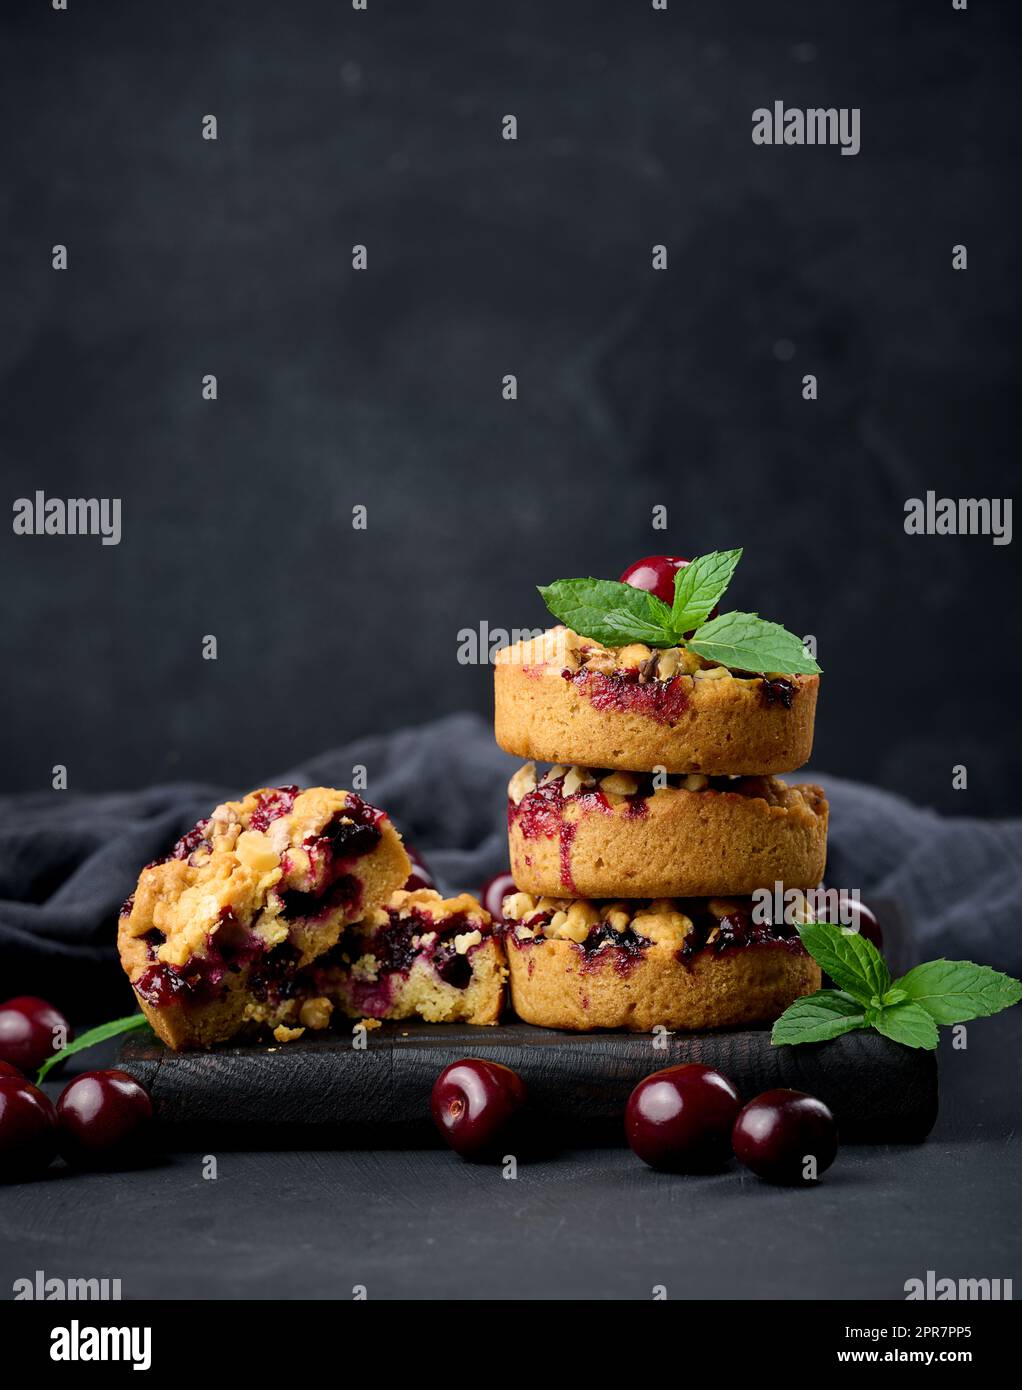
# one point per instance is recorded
(685, 926)
(252, 865)
(616, 787)
(561, 651)
(659, 921)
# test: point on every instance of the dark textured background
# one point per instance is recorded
(486, 257)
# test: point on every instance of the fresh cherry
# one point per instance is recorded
(477, 1107)
(680, 1119)
(7, 1070)
(778, 1131)
(655, 574)
(420, 877)
(493, 893)
(28, 1129)
(104, 1119)
(30, 1031)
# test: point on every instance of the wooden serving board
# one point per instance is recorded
(322, 1091)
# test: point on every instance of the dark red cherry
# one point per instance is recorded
(28, 1130)
(777, 1133)
(493, 893)
(30, 1031)
(655, 573)
(680, 1119)
(863, 919)
(420, 877)
(7, 1070)
(476, 1106)
(104, 1119)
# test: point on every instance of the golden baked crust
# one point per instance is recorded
(421, 956)
(582, 965)
(564, 698)
(587, 834)
(553, 986)
(250, 896)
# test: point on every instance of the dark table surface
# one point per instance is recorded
(586, 1224)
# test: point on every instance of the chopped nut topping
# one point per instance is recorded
(583, 914)
(518, 905)
(523, 782)
(558, 770)
(631, 657)
(648, 669)
(619, 784)
(465, 940)
(695, 782)
(601, 660)
(667, 663)
(284, 1034)
(575, 778)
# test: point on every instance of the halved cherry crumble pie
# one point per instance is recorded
(215, 934)
(420, 955)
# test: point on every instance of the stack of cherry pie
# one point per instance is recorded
(636, 849)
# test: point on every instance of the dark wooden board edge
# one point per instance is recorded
(321, 1090)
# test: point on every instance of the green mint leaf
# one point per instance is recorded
(608, 611)
(952, 991)
(89, 1039)
(629, 628)
(699, 586)
(744, 642)
(907, 1023)
(853, 963)
(818, 1017)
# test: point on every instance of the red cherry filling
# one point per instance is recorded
(30, 1031)
(273, 803)
(780, 1131)
(104, 1119)
(396, 946)
(28, 1130)
(680, 1119)
(476, 1106)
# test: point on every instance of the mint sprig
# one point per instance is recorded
(906, 1010)
(95, 1035)
(615, 614)
(699, 586)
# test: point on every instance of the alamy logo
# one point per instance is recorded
(76, 516)
(77, 1343)
(795, 905)
(959, 516)
(816, 125)
(952, 1290)
(55, 1289)
(477, 646)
